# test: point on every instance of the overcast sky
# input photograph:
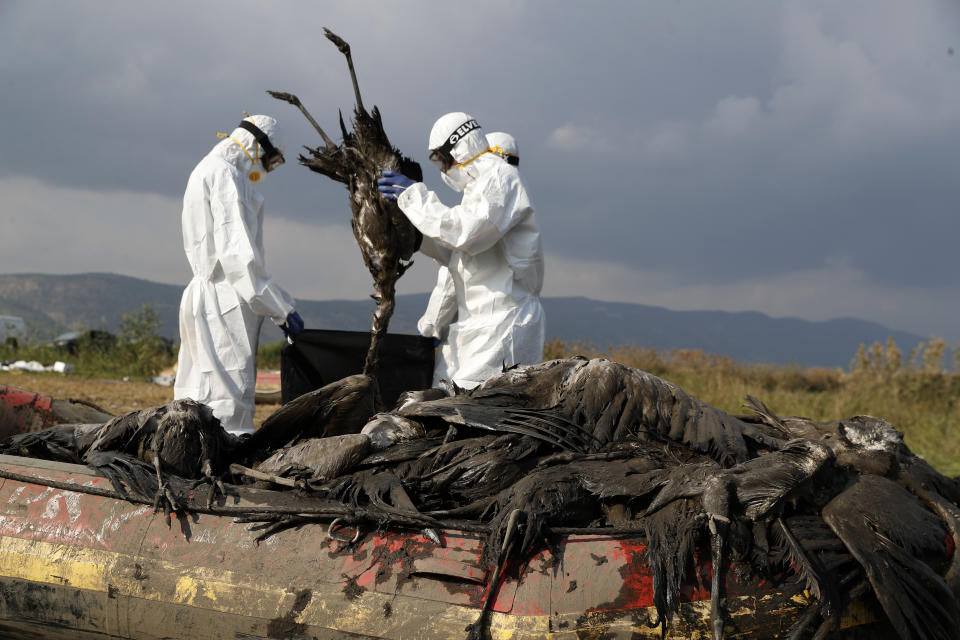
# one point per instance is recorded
(794, 158)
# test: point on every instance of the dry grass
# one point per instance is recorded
(114, 396)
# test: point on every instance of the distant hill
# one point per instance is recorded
(52, 303)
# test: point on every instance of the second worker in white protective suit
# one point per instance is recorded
(231, 292)
(490, 246)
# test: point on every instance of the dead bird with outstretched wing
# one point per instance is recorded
(386, 237)
(585, 405)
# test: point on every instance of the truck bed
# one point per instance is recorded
(75, 565)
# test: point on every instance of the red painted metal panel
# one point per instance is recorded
(207, 563)
(22, 410)
(39, 512)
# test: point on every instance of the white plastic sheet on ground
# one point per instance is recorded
(33, 366)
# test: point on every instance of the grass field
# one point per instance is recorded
(913, 392)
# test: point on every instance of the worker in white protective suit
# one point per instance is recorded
(231, 292)
(442, 305)
(490, 246)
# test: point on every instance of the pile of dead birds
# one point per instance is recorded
(843, 506)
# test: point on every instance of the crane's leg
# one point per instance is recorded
(295, 101)
(164, 495)
(345, 50)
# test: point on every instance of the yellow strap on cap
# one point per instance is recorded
(466, 162)
(500, 152)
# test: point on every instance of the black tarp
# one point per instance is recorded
(318, 357)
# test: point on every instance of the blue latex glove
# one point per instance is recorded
(392, 184)
(293, 325)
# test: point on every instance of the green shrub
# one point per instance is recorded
(140, 350)
(268, 355)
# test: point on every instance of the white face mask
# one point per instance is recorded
(456, 179)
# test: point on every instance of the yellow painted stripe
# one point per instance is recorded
(225, 591)
(52, 564)
(99, 570)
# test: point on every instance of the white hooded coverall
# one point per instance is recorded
(491, 269)
(224, 305)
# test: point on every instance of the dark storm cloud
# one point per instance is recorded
(801, 149)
